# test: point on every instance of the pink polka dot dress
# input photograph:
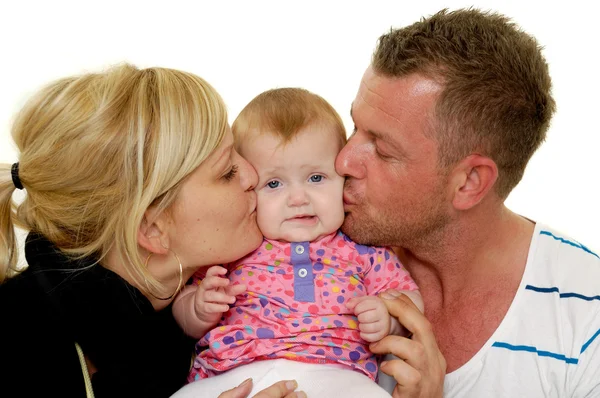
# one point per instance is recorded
(294, 307)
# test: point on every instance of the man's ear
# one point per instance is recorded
(472, 179)
(152, 232)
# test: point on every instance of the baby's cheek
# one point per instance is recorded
(339, 218)
(267, 222)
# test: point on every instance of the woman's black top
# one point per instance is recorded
(57, 301)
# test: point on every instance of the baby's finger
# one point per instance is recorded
(215, 296)
(370, 327)
(216, 270)
(369, 316)
(372, 337)
(213, 282)
(234, 290)
(354, 302)
(214, 308)
(365, 305)
(350, 304)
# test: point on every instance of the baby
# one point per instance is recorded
(304, 305)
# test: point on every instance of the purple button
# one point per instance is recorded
(304, 284)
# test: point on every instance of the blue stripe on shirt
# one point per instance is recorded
(568, 242)
(587, 344)
(554, 289)
(540, 353)
(549, 354)
(546, 353)
(561, 295)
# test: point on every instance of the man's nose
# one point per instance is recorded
(350, 161)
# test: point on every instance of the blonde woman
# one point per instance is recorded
(132, 184)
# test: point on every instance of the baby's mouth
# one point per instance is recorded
(304, 219)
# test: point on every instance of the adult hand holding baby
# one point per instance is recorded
(282, 389)
(421, 367)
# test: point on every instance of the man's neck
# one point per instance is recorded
(471, 253)
(469, 280)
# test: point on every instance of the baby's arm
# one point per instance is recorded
(374, 321)
(198, 308)
(384, 271)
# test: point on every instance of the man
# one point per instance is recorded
(446, 118)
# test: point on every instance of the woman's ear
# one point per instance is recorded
(152, 232)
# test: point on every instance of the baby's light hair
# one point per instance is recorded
(284, 112)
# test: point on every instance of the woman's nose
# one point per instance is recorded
(248, 176)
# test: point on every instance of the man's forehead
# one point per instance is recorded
(396, 95)
(413, 84)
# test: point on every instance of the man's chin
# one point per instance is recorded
(351, 228)
(364, 232)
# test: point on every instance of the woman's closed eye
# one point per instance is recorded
(231, 173)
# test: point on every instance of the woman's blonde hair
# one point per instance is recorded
(97, 150)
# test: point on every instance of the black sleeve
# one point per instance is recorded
(149, 357)
(37, 357)
(138, 351)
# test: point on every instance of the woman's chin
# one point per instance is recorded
(252, 241)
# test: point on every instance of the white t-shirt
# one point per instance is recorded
(548, 344)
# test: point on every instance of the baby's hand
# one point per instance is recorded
(214, 294)
(373, 317)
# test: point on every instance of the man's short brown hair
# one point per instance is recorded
(497, 97)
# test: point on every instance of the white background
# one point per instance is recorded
(245, 47)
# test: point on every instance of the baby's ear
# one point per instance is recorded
(152, 234)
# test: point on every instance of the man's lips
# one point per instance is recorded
(348, 200)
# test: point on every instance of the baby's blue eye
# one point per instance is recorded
(273, 184)
(316, 178)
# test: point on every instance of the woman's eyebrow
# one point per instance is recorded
(224, 155)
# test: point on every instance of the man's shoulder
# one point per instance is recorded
(555, 247)
(561, 301)
(561, 265)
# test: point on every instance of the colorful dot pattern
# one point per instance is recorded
(267, 323)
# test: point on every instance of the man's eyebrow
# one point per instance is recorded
(382, 136)
(376, 134)
(379, 135)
